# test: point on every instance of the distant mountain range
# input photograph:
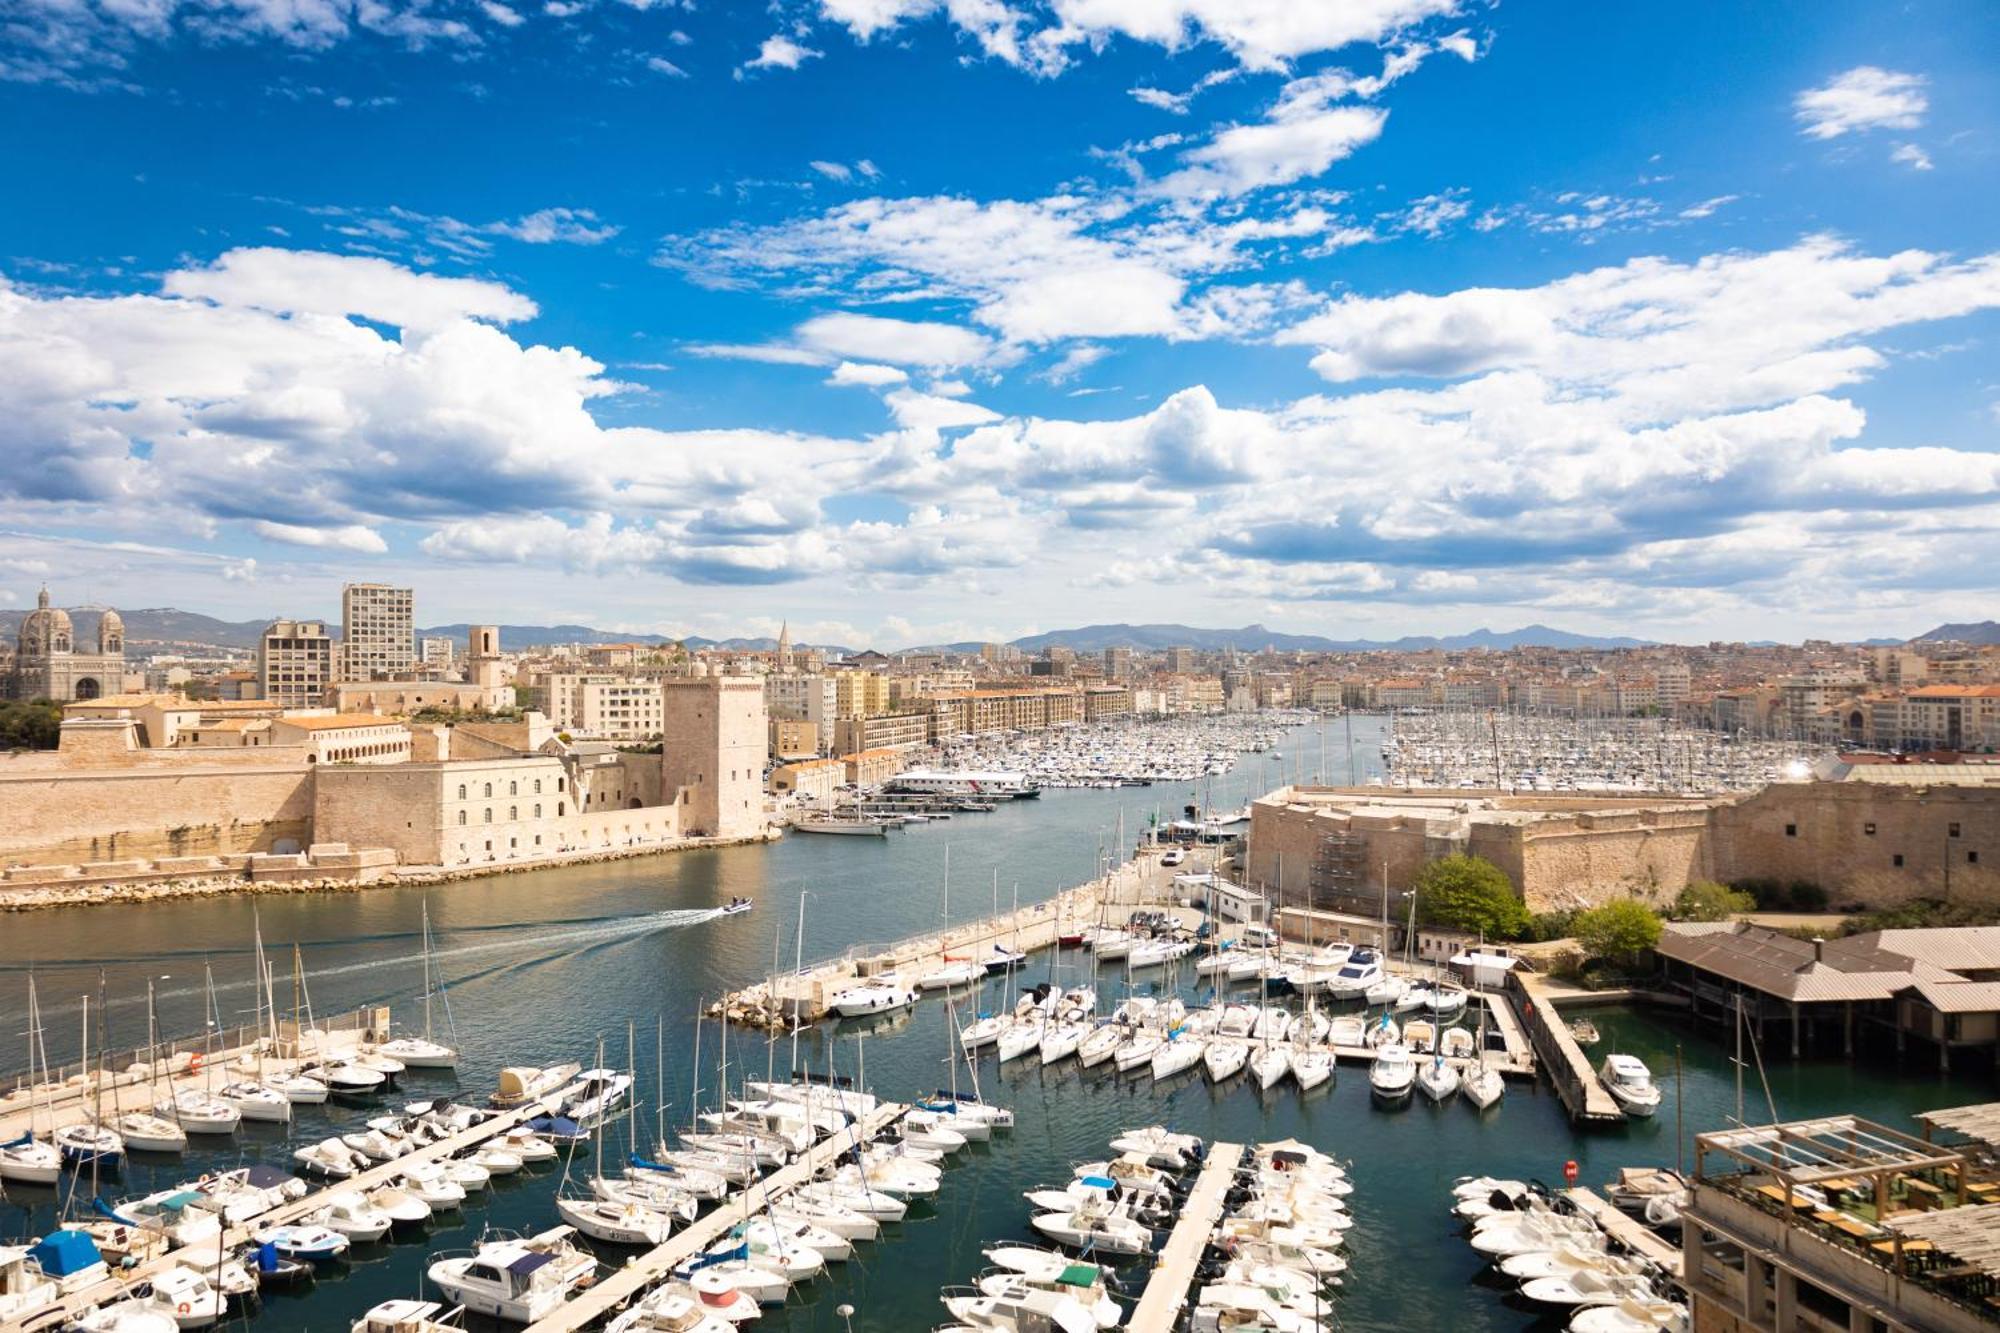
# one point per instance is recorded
(1975, 631)
(166, 625)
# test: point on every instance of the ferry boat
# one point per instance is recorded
(965, 782)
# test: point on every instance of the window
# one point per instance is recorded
(1791, 830)
(1868, 830)
(461, 817)
(1972, 858)
(489, 815)
(1951, 829)
(559, 809)
(538, 786)
(559, 784)
(1896, 860)
(461, 791)
(513, 789)
(489, 789)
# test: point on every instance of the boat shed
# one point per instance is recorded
(1938, 988)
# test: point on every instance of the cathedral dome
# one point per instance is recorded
(111, 634)
(46, 629)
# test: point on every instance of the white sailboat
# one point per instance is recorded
(26, 1159)
(426, 1052)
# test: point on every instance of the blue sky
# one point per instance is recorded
(908, 320)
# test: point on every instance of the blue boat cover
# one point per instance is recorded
(264, 1177)
(528, 1263)
(648, 1164)
(66, 1252)
(267, 1258)
(21, 1142)
(710, 1260)
(560, 1125)
(1100, 1183)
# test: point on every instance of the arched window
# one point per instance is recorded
(538, 809)
(489, 789)
(461, 817)
(559, 809)
(513, 812)
(513, 789)
(489, 815)
(538, 786)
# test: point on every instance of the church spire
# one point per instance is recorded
(785, 645)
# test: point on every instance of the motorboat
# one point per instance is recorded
(1225, 1057)
(406, 1316)
(348, 1078)
(672, 1310)
(1161, 1147)
(187, 1295)
(379, 1143)
(131, 1315)
(952, 972)
(349, 1213)
(1638, 1190)
(1348, 1030)
(735, 907)
(1526, 1232)
(1386, 990)
(789, 1230)
(520, 1281)
(525, 1144)
(616, 1222)
(1019, 1306)
(1090, 1191)
(1420, 1035)
(1458, 1043)
(256, 1101)
(1393, 1072)
(418, 1053)
(1004, 959)
(712, 1293)
(248, 1192)
(1569, 1257)
(428, 1181)
(1630, 1084)
(1086, 1283)
(1586, 1287)
(183, 1216)
(317, 1244)
(388, 1066)
(1227, 1307)
(404, 1208)
(1292, 1288)
(495, 1160)
(521, 1084)
(27, 1160)
(299, 1088)
(601, 1093)
(144, 1132)
(734, 1270)
(90, 1143)
(928, 1129)
(1632, 1316)
(881, 995)
(23, 1287)
(1437, 1079)
(1271, 1024)
(1096, 1226)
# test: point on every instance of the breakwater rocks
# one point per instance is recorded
(86, 891)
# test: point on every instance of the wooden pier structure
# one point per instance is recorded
(1627, 1230)
(1583, 1096)
(693, 1240)
(1166, 1294)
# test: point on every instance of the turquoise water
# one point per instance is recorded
(542, 965)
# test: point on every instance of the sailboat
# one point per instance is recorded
(1483, 1085)
(27, 1160)
(92, 1143)
(426, 1052)
(198, 1110)
(142, 1130)
(955, 969)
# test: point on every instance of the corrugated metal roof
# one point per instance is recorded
(1959, 948)
(1961, 997)
(1788, 968)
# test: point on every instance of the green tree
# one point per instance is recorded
(30, 724)
(1470, 893)
(1620, 930)
(1705, 900)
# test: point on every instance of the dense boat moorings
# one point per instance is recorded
(1529, 752)
(1110, 754)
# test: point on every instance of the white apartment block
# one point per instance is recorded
(378, 631)
(295, 663)
(605, 707)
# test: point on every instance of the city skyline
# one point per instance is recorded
(910, 323)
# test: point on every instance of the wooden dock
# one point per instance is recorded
(1568, 1067)
(1166, 1293)
(688, 1243)
(1627, 1230)
(61, 1313)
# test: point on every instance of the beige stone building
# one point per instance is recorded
(50, 662)
(872, 768)
(344, 738)
(793, 739)
(812, 781)
(887, 731)
(377, 631)
(712, 754)
(295, 663)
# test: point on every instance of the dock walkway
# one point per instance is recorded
(660, 1261)
(1627, 1230)
(1166, 1293)
(61, 1313)
(1569, 1068)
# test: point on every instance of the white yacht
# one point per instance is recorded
(881, 995)
(1352, 978)
(1628, 1080)
(256, 1101)
(1393, 1073)
(519, 1281)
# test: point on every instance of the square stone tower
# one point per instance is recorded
(713, 745)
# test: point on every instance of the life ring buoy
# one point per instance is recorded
(183, 1308)
(194, 1062)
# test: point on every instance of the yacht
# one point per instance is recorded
(1352, 978)
(256, 1101)
(1096, 1225)
(1628, 1080)
(881, 995)
(353, 1216)
(186, 1295)
(672, 1310)
(519, 1281)
(952, 972)
(408, 1317)
(1393, 1073)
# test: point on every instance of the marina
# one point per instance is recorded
(543, 964)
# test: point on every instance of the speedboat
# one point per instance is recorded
(428, 1181)
(255, 1101)
(29, 1161)
(882, 995)
(1159, 1146)
(85, 1144)
(1569, 1257)
(672, 1310)
(520, 1281)
(300, 1089)
(1438, 1079)
(602, 1092)
(1630, 1083)
(404, 1208)
(1052, 1270)
(735, 907)
(1587, 1286)
(1632, 1316)
(131, 1315)
(317, 1244)
(180, 1215)
(404, 1316)
(1097, 1226)
(249, 1192)
(521, 1084)
(712, 1293)
(1393, 1072)
(1348, 1030)
(1020, 1306)
(350, 1214)
(379, 1143)
(144, 1132)
(419, 1053)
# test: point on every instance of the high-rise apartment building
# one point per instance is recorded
(1180, 661)
(1117, 663)
(295, 663)
(378, 631)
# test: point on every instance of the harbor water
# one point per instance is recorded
(543, 965)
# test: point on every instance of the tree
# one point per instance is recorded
(30, 724)
(1472, 894)
(1705, 900)
(1620, 930)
